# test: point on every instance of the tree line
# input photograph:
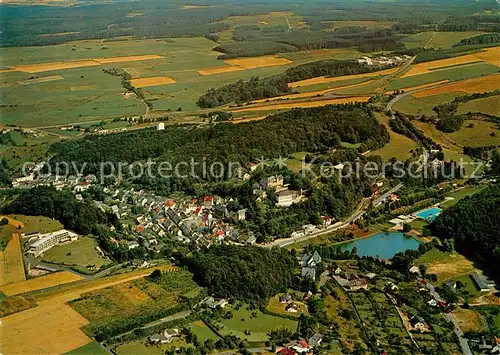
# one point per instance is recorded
(260, 88)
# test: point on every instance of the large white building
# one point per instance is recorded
(47, 241)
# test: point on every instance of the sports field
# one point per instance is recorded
(445, 265)
(81, 254)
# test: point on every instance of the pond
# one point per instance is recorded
(382, 245)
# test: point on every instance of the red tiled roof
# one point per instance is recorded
(286, 351)
(208, 198)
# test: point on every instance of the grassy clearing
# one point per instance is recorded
(80, 253)
(460, 194)
(92, 348)
(424, 105)
(11, 262)
(275, 306)
(489, 105)
(399, 146)
(445, 265)
(37, 224)
(477, 135)
(469, 320)
(258, 326)
(142, 347)
(202, 332)
(453, 74)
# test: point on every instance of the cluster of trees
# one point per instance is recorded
(252, 274)
(403, 125)
(313, 129)
(256, 88)
(487, 23)
(485, 38)
(450, 124)
(482, 152)
(82, 217)
(472, 223)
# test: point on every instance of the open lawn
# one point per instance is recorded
(203, 332)
(143, 347)
(399, 146)
(460, 194)
(92, 348)
(488, 105)
(40, 224)
(477, 135)
(445, 265)
(258, 326)
(423, 105)
(81, 253)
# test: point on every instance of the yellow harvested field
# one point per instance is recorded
(131, 58)
(475, 85)
(11, 262)
(38, 283)
(13, 222)
(303, 104)
(27, 332)
(49, 328)
(489, 55)
(323, 79)
(312, 93)
(41, 67)
(451, 266)
(418, 87)
(41, 80)
(152, 81)
(238, 64)
(7, 70)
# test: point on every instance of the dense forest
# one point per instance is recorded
(473, 223)
(314, 129)
(82, 217)
(486, 38)
(246, 273)
(257, 88)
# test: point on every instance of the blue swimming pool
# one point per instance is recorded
(429, 214)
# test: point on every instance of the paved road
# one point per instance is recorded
(334, 227)
(463, 342)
